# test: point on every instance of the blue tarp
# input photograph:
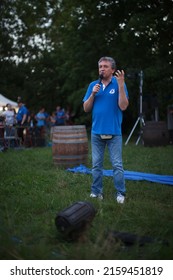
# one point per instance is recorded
(129, 175)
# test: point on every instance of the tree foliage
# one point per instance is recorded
(49, 50)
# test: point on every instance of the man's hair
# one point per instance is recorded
(110, 59)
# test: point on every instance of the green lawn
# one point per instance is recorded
(33, 190)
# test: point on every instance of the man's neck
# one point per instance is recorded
(106, 81)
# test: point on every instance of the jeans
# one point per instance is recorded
(115, 152)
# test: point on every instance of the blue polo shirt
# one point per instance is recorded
(106, 115)
(22, 111)
(60, 117)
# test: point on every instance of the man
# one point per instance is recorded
(107, 98)
(21, 118)
(40, 118)
(9, 115)
(60, 116)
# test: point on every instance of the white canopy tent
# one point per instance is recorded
(4, 101)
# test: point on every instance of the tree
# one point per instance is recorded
(58, 43)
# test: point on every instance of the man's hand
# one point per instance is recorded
(120, 77)
(96, 88)
(123, 101)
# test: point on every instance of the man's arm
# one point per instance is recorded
(24, 119)
(88, 104)
(123, 100)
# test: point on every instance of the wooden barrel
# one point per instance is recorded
(69, 145)
(155, 133)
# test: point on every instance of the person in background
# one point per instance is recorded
(68, 116)
(9, 120)
(47, 116)
(60, 116)
(9, 115)
(21, 118)
(40, 118)
(31, 120)
(47, 124)
(107, 98)
(53, 119)
(31, 126)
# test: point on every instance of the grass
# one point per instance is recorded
(33, 190)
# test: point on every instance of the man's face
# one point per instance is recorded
(9, 107)
(105, 68)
